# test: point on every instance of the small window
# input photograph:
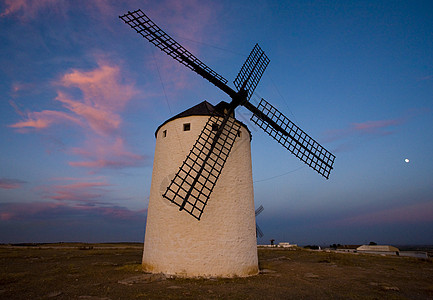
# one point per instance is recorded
(214, 127)
(187, 127)
(164, 133)
(239, 133)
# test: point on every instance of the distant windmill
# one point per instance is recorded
(259, 232)
(217, 149)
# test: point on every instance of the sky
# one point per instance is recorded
(82, 95)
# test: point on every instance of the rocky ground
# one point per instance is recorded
(112, 271)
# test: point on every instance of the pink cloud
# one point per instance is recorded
(104, 95)
(187, 18)
(106, 154)
(90, 178)
(44, 119)
(101, 121)
(368, 128)
(10, 211)
(414, 213)
(103, 6)
(184, 21)
(74, 197)
(26, 8)
(13, 6)
(104, 92)
(52, 211)
(121, 213)
(16, 108)
(102, 87)
(375, 126)
(81, 185)
(8, 183)
(5, 216)
(84, 192)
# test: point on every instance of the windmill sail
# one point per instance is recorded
(293, 138)
(259, 232)
(251, 71)
(259, 210)
(149, 30)
(194, 182)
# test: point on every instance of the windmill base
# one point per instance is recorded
(183, 247)
(223, 243)
(246, 272)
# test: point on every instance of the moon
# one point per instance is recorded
(406, 160)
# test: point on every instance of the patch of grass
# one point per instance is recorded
(130, 268)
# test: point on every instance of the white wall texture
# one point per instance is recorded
(223, 243)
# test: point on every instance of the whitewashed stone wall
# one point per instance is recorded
(223, 242)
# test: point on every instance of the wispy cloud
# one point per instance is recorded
(100, 153)
(53, 211)
(183, 21)
(26, 8)
(103, 87)
(376, 127)
(413, 213)
(73, 197)
(102, 121)
(17, 109)
(103, 93)
(49, 222)
(426, 78)
(81, 192)
(347, 138)
(44, 119)
(367, 128)
(10, 183)
(10, 211)
(363, 130)
(185, 18)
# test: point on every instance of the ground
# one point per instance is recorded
(112, 271)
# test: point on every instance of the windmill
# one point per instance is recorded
(259, 232)
(176, 243)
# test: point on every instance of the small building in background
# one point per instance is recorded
(287, 245)
(346, 248)
(279, 245)
(378, 249)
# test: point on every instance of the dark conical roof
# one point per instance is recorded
(202, 109)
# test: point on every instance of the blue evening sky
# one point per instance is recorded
(82, 95)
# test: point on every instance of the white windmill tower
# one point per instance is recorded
(217, 168)
(223, 242)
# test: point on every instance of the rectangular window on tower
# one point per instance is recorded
(164, 133)
(187, 127)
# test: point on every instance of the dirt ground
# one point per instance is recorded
(112, 271)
